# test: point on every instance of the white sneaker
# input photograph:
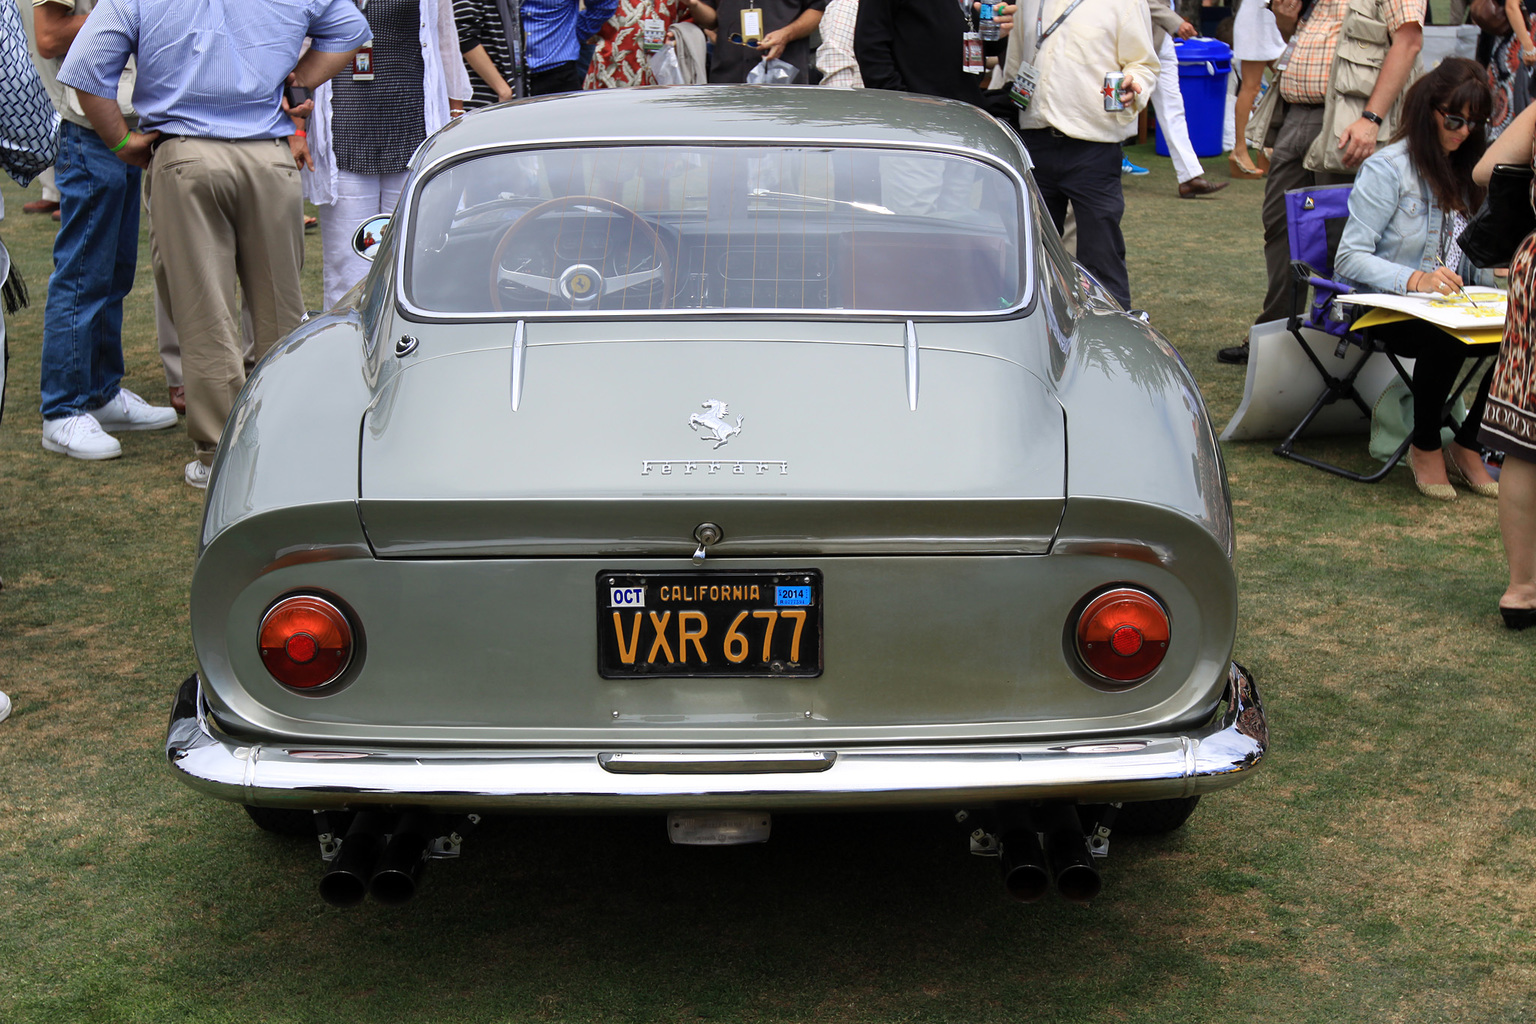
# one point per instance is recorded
(197, 474)
(5, 707)
(79, 436)
(127, 411)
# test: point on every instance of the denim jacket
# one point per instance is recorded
(1394, 227)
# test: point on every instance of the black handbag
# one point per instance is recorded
(1505, 218)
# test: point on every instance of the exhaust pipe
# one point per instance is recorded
(1069, 862)
(346, 882)
(1023, 863)
(398, 872)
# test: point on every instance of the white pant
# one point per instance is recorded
(1169, 104)
(358, 197)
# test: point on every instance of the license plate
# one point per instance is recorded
(692, 624)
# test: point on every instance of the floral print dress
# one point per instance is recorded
(620, 59)
(1508, 79)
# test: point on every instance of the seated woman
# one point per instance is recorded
(1409, 204)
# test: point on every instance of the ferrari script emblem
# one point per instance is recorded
(720, 429)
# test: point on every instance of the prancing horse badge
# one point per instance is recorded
(720, 429)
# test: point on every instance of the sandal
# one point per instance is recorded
(1487, 490)
(1241, 170)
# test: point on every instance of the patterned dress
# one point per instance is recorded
(1508, 80)
(1509, 421)
(620, 59)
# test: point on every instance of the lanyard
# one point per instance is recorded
(1041, 37)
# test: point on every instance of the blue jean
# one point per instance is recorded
(94, 256)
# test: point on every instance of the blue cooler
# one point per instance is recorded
(1203, 68)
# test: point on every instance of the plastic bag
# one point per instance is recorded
(773, 72)
(664, 66)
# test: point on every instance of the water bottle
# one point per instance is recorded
(989, 31)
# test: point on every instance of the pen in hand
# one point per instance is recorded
(1463, 291)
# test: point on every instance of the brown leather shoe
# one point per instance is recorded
(39, 206)
(1200, 187)
(57, 216)
(179, 399)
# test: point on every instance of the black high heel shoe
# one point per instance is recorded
(1518, 618)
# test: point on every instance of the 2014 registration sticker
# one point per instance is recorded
(693, 624)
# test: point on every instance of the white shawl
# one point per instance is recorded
(446, 78)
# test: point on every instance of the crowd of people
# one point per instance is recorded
(219, 120)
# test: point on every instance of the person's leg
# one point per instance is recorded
(85, 279)
(194, 228)
(1092, 182)
(1434, 373)
(1517, 529)
(1247, 93)
(1285, 172)
(357, 199)
(269, 231)
(165, 324)
(1044, 154)
(165, 334)
(910, 185)
(1168, 102)
(1464, 451)
(390, 187)
(107, 374)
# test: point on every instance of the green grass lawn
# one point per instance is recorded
(1381, 867)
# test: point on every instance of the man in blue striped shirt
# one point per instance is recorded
(555, 30)
(223, 185)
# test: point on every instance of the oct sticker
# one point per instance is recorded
(626, 597)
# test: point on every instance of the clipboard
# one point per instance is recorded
(1484, 336)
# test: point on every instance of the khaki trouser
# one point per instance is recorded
(222, 210)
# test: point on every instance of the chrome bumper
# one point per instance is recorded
(1098, 770)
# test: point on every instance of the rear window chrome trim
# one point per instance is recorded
(410, 311)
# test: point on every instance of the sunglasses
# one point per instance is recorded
(1455, 122)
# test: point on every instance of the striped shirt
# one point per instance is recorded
(554, 29)
(479, 24)
(208, 68)
(1306, 76)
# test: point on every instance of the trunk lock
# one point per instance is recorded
(706, 534)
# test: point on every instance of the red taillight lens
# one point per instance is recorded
(305, 642)
(1123, 634)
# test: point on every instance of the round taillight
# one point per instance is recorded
(1123, 635)
(306, 642)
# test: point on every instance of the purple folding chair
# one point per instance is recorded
(1314, 222)
(1314, 219)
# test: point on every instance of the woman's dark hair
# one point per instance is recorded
(1455, 86)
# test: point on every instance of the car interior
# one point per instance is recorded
(716, 228)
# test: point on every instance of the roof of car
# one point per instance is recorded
(745, 113)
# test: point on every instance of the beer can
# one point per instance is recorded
(1114, 83)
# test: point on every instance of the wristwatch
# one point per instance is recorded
(1375, 119)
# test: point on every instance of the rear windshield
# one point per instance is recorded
(716, 227)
